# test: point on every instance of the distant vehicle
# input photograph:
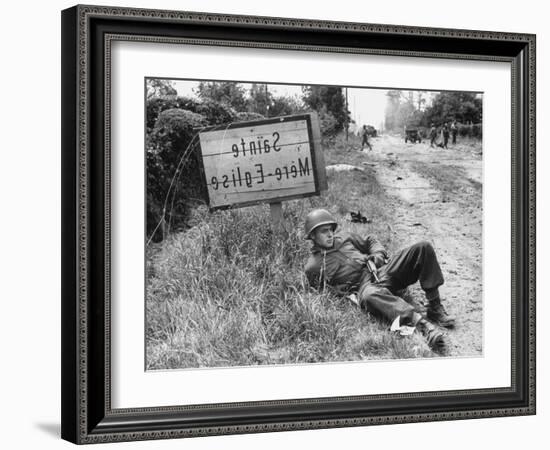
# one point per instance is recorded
(371, 131)
(412, 135)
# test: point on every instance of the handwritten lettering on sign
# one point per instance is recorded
(260, 161)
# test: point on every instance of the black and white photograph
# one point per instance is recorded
(275, 225)
(299, 224)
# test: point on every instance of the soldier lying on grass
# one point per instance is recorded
(341, 261)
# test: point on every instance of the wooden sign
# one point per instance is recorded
(269, 160)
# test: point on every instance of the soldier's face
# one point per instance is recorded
(323, 236)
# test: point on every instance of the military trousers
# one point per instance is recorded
(415, 263)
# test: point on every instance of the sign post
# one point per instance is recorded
(276, 210)
(263, 161)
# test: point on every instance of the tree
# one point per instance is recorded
(227, 93)
(392, 108)
(285, 106)
(404, 109)
(420, 100)
(155, 105)
(408, 108)
(160, 88)
(172, 150)
(260, 100)
(327, 100)
(215, 113)
(464, 107)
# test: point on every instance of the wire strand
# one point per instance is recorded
(162, 219)
(175, 179)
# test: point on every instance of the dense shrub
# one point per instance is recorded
(170, 140)
(215, 113)
(472, 131)
(246, 116)
(156, 105)
(172, 123)
(286, 106)
(328, 123)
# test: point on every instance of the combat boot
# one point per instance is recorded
(437, 314)
(433, 334)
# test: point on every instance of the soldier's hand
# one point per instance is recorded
(377, 259)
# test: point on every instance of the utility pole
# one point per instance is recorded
(266, 102)
(347, 116)
(354, 109)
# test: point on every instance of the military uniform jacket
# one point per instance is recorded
(342, 266)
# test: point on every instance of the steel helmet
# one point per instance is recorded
(316, 218)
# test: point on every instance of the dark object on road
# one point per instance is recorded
(412, 135)
(357, 217)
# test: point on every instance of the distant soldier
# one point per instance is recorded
(454, 131)
(365, 141)
(445, 133)
(433, 135)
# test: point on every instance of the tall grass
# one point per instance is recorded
(230, 291)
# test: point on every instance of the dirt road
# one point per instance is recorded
(437, 196)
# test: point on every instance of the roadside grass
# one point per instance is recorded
(230, 291)
(467, 143)
(452, 182)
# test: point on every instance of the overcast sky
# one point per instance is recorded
(367, 105)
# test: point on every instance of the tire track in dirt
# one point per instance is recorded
(436, 196)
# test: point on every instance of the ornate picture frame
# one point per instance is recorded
(88, 33)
